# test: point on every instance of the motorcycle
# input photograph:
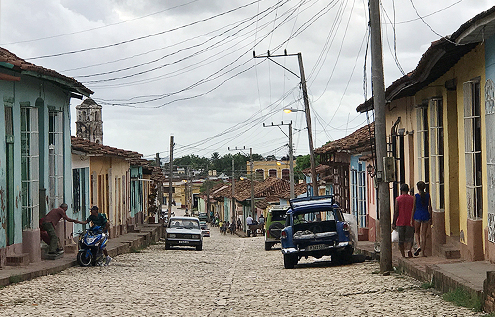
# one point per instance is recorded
(91, 245)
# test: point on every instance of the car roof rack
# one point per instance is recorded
(303, 201)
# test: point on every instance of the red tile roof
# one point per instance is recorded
(357, 142)
(11, 61)
(96, 149)
(134, 158)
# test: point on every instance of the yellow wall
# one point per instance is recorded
(106, 173)
(268, 165)
(469, 67)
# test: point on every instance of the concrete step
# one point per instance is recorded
(17, 259)
(450, 252)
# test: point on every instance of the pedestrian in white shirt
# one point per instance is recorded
(249, 220)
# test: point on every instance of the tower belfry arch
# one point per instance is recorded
(89, 124)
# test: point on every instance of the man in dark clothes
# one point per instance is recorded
(99, 220)
(48, 223)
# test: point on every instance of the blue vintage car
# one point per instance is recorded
(315, 227)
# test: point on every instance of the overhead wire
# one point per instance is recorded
(144, 36)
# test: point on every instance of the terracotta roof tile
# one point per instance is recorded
(356, 142)
(20, 65)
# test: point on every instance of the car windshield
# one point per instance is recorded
(187, 224)
(316, 216)
(279, 215)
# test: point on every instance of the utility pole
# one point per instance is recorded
(291, 156)
(233, 189)
(170, 176)
(314, 178)
(383, 198)
(251, 164)
(160, 187)
(233, 182)
(208, 193)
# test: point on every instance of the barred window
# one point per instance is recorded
(29, 165)
(472, 148)
(437, 187)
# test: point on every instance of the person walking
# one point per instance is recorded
(48, 224)
(403, 220)
(422, 217)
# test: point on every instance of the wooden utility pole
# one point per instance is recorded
(383, 198)
(233, 190)
(208, 193)
(291, 156)
(291, 163)
(251, 163)
(170, 176)
(160, 187)
(314, 178)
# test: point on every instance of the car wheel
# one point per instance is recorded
(268, 246)
(199, 247)
(275, 229)
(290, 261)
(347, 255)
(167, 246)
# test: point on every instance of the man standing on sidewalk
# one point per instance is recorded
(402, 220)
(48, 223)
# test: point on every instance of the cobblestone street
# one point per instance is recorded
(230, 277)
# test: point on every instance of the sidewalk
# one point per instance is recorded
(445, 274)
(142, 237)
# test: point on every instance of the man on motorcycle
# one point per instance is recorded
(99, 219)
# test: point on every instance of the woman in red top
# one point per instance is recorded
(402, 220)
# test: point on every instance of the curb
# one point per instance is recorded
(120, 245)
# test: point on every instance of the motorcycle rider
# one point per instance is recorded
(99, 219)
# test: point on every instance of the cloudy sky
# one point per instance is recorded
(186, 67)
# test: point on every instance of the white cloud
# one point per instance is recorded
(218, 98)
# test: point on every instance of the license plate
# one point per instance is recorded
(316, 247)
(183, 241)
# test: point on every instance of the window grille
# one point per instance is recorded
(490, 156)
(437, 188)
(472, 149)
(29, 166)
(55, 159)
(362, 196)
(423, 146)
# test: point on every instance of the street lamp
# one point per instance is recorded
(310, 139)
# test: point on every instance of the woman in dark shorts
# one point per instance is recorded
(422, 217)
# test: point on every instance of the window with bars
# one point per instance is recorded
(354, 192)
(29, 165)
(259, 174)
(272, 173)
(490, 156)
(472, 148)
(285, 174)
(437, 188)
(55, 159)
(361, 195)
(423, 146)
(79, 192)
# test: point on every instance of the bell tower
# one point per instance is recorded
(89, 125)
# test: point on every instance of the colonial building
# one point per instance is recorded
(35, 152)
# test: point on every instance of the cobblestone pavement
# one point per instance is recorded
(230, 277)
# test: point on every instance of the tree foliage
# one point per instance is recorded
(222, 164)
